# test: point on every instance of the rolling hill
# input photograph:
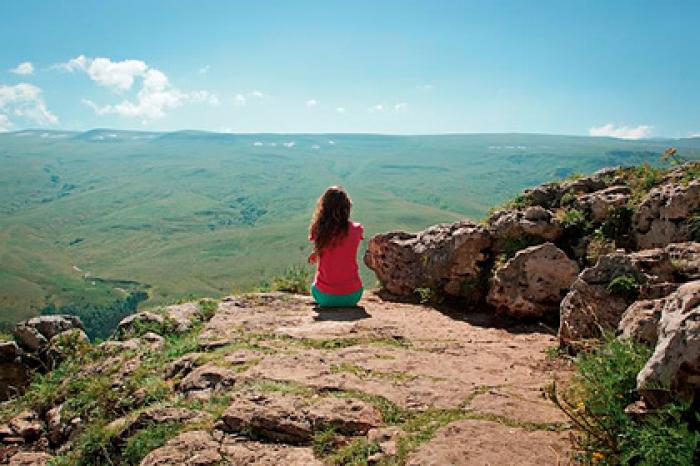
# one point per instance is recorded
(87, 218)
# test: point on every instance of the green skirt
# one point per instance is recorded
(336, 300)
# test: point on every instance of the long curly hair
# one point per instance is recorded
(330, 220)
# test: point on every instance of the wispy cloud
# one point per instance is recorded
(425, 87)
(204, 69)
(340, 109)
(25, 68)
(376, 108)
(311, 103)
(400, 106)
(694, 135)
(623, 132)
(241, 100)
(25, 101)
(155, 97)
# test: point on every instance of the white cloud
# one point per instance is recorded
(340, 109)
(204, 69)
(376, 108)
(5, 123)
(257, 94)
(623, 132)
(257, 143)
(25, 101)
(289, 144)
(311, 103)
(118, 76)
(694, 135)
(400, 106)
(153, 100)
(25, 68)
(332, 143)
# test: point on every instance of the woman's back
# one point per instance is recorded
(338, 272)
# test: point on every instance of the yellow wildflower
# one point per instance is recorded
(597, 456)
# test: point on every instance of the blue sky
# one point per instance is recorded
(622, 68)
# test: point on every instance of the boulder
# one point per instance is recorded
(135, 323)
(641, 320)
(194, 448)
(14, 375)
(157, 415)
(183, 316)
(589, 308)
(386, 438)
(600, 203)
(447, 257)
(27, 425)
(56, 428)
(206, 379)
(29, 337)
(536, 223)
(289, 418)
(30, 458)
(533, 283)
(182, 366)
(548, 195)
(34, 334)
(662, 216)
(674, 367)
(152, 340)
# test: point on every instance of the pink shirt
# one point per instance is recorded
(337, 271)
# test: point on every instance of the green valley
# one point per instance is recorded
(87, 219)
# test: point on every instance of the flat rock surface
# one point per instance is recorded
(490, 443)
(414, 356)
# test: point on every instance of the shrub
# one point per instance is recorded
(575, 222)
(296, 279)
(625, 286)
(618, 223)
(604, 384)
(568, 198)
(597, 246)
(641, 179)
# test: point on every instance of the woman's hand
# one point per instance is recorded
(313, 258)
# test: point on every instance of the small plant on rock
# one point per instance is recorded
(625, 286)
(575, 222)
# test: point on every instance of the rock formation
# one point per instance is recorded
(533, 283)
(445, 257)
(675, 365)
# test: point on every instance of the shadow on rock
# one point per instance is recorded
(342, 314)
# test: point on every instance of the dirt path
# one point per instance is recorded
(460, 390)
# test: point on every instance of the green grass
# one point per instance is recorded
(605, 383)
(145, 440)
(203, 214)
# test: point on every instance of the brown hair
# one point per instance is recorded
(330, 220)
